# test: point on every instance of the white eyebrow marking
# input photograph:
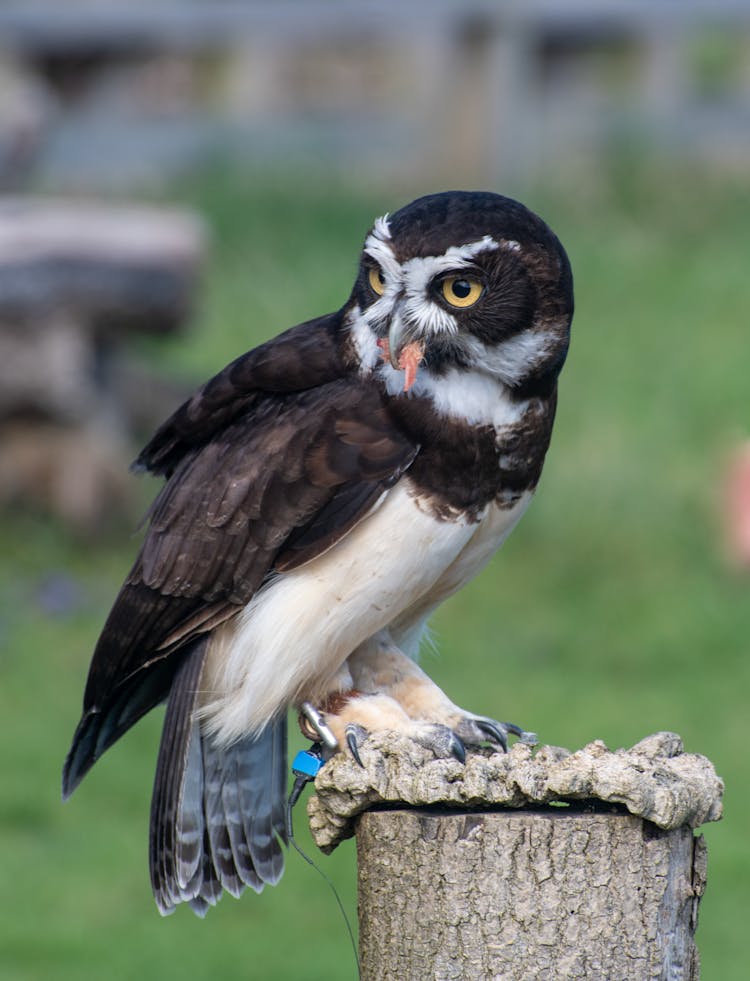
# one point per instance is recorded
(381, 228)
(408, 282)
(419, 272)
(416, 273)
(465, 253)
(378, 248)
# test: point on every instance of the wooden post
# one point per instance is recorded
(522, 895)
(453, 886)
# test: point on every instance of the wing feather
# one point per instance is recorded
(268, 467)
(301, 358)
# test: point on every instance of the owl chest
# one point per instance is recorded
(491, 529)
(467, 469)
(478, 444)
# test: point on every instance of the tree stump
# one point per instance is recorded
(523, 866)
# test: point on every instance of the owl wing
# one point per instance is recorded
(260, 480)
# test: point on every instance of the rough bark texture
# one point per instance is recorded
(524, 895)
(480, 876)
(654, 779)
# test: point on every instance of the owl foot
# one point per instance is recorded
(384, 669)
(350, 718)
(440, 739)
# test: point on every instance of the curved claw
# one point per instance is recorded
(478, 729)
(496, 732)
(527, 738)
(351, 742)
(457, 748)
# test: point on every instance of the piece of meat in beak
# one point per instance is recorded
(406, 360)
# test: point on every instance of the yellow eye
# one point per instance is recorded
(376, 279)
(461, 291)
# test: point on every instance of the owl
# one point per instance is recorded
(323, 495)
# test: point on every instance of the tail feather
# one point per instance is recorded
(176, 833)
(216, 770)
(261, 824)
(279, 770)
(217, 814)
(237, 825)
(209, 888)
(189, 851)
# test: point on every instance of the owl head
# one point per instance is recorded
(461, 281)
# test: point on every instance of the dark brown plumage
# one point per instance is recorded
(288, 453)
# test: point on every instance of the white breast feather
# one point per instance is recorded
(488, 536)
(301, 627)
(475, 398)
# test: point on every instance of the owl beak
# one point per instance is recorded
(404, 353)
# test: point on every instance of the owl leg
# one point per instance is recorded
(390, 691)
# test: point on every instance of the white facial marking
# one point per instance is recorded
(408, 283)
(418, 273)
(477, 399)
(512, 360)
(365, 342)
(381, 229)
(418, 307)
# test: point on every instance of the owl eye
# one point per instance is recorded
(461, 291)
(376, 279)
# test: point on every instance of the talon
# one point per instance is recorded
(496, 732)
(351, 742)
(478, 729)
(527, 738)
(457, 748)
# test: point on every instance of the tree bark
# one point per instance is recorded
(524, 895)
(531, 864)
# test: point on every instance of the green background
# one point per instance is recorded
(611, 612)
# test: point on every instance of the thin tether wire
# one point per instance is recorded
(299, 784)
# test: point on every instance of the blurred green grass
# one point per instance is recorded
(609, 614)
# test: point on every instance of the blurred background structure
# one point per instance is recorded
(180, 181)
(107, 93)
